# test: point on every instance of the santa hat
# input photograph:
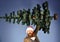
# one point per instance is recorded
(29, 28)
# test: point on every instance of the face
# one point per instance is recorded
(30, 32)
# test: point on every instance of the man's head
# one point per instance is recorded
(29, 30)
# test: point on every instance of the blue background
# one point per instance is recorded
(10, 32)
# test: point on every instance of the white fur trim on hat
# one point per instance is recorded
(29, 28)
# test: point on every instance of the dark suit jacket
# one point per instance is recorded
(27, 38)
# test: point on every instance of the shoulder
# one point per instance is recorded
(26, 39)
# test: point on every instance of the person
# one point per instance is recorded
(31, 34)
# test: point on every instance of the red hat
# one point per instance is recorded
(29, 28)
